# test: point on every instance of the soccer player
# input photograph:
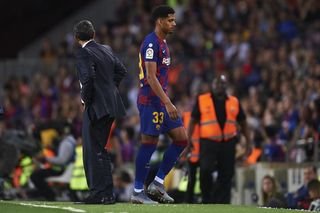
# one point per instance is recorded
(157, 113)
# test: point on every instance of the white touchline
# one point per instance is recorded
(71, 209)
(301, 210)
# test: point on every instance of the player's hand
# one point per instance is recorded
(172, 111)
(189, 148)
(186, 152)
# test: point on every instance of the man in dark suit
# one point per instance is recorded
(100, 73)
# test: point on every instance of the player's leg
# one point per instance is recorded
(177, 133)
(179, 142)
(149, 139)
(147, 147)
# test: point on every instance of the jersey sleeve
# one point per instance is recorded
(150, 50)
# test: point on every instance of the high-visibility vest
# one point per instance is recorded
(22, 173)
(78, 179)
(209, 125)
(194, 155)
(27, 169)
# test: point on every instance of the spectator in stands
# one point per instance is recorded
(123, 186)
(302, 194)
(314, 194)
(270, 195)
(127, 144)
(47, 52)
(303, 135)
(65, 154)
(272, 151)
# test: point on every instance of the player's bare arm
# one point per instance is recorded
(151, 68)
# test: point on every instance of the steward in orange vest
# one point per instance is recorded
(209, 124)
(218, 115)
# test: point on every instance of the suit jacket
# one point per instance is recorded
(100, 73)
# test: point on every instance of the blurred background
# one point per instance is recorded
(269, 50)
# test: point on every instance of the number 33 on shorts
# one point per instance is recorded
(158, 117)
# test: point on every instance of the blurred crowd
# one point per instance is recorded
(268, 50)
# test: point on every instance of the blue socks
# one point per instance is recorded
(169, 159)
(142, 165)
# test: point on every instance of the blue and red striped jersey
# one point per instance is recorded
(153, 49)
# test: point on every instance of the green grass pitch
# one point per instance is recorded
(50, 207)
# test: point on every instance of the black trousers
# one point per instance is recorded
(220, 157)
(191, 181)
(96, 159)
(38, 178)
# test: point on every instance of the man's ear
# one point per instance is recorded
(160, 22)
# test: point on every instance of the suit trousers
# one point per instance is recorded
(220, 157)
(96, 159)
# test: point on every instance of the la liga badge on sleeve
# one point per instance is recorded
(149, 53)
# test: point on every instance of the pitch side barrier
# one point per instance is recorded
(247, 182)
(246, 188)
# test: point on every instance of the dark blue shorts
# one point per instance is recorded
(156, 120)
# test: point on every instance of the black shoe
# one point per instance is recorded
(107, 200)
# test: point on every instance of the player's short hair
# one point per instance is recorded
(83, 30)
(161, 11)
